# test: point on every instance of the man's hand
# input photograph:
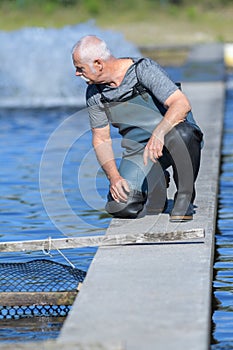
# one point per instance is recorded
(119, 189)
(178, 107)
(102, 143)
(153, 149)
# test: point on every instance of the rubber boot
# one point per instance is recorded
(157, 199)
(127, 210)
(184, 145)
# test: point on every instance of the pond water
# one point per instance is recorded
(25, 133)
(223, 273)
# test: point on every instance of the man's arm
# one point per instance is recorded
(178, 108)
(102, 144)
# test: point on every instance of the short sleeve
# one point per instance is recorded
(154, 78)
(96, 111)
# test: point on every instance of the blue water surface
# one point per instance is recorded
(223, 268)
(23, 216)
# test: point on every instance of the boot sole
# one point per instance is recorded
(181, 218)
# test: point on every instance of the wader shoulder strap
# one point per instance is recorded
(138, 89)
(142, 90)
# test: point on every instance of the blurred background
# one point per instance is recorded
(43, 32)
(142, 21)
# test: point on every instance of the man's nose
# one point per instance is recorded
(77, 73)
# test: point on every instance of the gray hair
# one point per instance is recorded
(91, 48)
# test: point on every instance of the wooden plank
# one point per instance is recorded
(192, 235)
(37, 298)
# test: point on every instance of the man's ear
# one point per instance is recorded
(98, 64)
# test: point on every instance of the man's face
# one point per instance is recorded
(84, 71)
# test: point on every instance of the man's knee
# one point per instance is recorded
(186, 132)
(128, 210)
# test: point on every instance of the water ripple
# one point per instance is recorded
(223, 283)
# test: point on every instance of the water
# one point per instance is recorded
(23, 215)
(223, 282)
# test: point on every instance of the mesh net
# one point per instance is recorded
(16, 312)
(36, 276)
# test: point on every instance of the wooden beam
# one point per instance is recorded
(37, 298)
(192, 236)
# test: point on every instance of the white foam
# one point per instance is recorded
(36, 64)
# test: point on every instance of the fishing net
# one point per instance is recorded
(37, 288)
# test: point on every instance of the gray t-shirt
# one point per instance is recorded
(149, 74)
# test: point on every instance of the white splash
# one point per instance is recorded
(36, 66)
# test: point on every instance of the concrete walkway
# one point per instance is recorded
(157, 297)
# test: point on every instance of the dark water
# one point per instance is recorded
(223, 282)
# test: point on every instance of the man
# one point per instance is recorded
(158, 131)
